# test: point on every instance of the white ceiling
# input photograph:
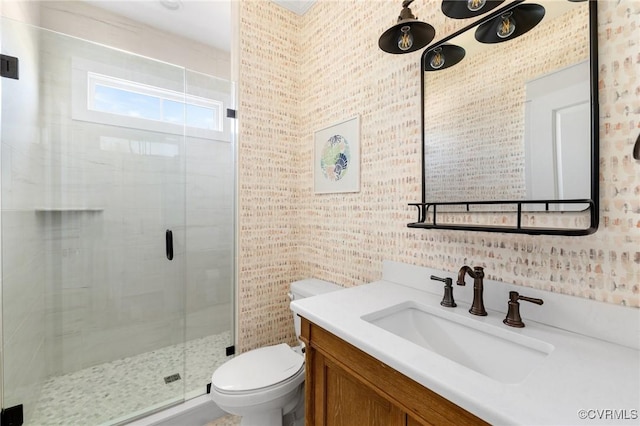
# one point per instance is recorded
(206, 21)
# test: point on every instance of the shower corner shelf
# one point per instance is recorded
(69, 209)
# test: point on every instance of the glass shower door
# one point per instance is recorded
(210, 228)
(93, 231)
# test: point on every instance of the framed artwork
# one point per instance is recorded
(336, 158)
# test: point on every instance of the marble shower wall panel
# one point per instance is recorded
(210, 234)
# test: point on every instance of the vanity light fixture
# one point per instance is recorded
(408, 34)
(458, 9)
(511, 24)
(443, 56)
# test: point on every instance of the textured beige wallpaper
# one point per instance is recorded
(269, 116)
(300, 74)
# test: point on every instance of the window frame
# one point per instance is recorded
(86, 75)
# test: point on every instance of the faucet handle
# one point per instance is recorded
(447, 300)
(513, 318)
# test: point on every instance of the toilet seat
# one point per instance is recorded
(258, 369)
(258, 376)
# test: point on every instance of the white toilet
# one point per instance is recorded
(266, 385)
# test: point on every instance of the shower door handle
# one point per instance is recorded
(169, 244)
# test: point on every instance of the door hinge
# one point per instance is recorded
(231, 113)
(12, 416)
(9, 66)
(231, 350)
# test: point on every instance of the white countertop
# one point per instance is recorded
(581, 373)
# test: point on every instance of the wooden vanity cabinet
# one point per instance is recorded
(347, 387)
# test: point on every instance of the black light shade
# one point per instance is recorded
(442, 57)
(422, 34)
(460, 9)
(525, 17)
(408, 32)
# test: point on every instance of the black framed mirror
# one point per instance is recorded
(510, 122)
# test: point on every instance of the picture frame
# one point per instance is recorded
(336, 158)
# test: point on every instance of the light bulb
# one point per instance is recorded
(405, 41)
(475, 5)
(437, 59)
(507, 26)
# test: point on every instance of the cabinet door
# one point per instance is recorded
(346, 386)
(343, 400)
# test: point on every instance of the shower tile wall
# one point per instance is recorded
(210, 234)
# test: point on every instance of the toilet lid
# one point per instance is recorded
(258, 368)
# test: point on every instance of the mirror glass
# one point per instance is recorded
(511, 120)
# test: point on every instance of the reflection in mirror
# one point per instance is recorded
(443, 56)
(512, 120)
(511, 24)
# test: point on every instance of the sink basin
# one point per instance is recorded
(496, 352)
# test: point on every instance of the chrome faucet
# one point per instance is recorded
(477, 273)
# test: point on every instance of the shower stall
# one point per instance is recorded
(117, 230)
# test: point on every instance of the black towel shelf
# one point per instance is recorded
(430, 210)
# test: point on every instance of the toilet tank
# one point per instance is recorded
(307, 288)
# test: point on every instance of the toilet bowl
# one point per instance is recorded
(265, 386)
(259, 385)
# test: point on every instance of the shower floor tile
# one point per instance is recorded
(113, 391)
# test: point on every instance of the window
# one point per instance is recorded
(151, 98)
(130, 99)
